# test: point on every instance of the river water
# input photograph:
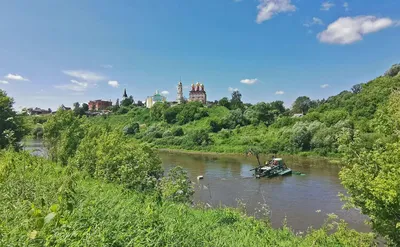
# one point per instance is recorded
(304, 201)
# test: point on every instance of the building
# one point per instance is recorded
(179, 97)
(99, 105)
(157, 97)
(37, 111)
(198, 93)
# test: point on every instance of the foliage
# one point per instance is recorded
(176, 186)
(127, 102)
(224, 102)
(62, 135)
(371, 175)
(301, 105)
(131, 129)
(236, 100)
(107, 155)
(11, 126)
(393, 71)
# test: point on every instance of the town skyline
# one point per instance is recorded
(93, 50)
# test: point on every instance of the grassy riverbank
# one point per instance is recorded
(44, 204)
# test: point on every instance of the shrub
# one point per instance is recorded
(177, 131)
(176, 186)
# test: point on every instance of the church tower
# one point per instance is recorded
(179, 97)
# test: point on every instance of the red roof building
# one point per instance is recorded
(99, 105)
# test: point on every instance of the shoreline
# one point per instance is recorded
(333, 160)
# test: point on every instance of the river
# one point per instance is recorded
(304, 201)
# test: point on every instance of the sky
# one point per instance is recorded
(61, 52)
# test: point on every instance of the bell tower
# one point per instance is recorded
(179, 97)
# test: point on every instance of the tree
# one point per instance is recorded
(236, 100)
(278, 106)
(301, 105)
(393, 71)
(176, 186)
(157, 111)
(11, 127)
(371, 177)
(140, 103)
(85, 107)
(224, 102)
(76, 105)
(255, 151)
(128, 101)
(171, 113)
(357, 88)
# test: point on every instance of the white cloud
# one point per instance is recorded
(327, 6)
(324, 85)
(113, 84)
(347, 30)
(346, 6)
(165, 92)
(315, 21)
(84, 75)
(80, 83)
(107, 66)
(268, 8)
(3, 82)
(231, 89)
(279, 92)
(16, 77)
(249, 81)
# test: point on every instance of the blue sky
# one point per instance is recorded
(60, 52)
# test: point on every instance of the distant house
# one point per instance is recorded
(298, 115)
(157, 97)
(37, 111)
(64, 108)
(99, 105)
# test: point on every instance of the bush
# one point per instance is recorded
(176, 186)
(131, 129)
(37, 132)
(107, 155)
(177, 131)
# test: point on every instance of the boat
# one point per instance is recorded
(273, 168)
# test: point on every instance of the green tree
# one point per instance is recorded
(255, 151)
(176, 186)
(371, 177)
(85, 107)
(357, 88)
(127, 102)
(236, 100)
(393, 71)
(11, 126)
(170, 115)
(224, 102)
(157, 111)
(301, 105)
(62, 135)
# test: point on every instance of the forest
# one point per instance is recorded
(102, 183)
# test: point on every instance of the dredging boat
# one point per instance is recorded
(275, 167)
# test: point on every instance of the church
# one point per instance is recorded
(198, 93)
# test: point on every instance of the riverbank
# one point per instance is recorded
(332, 160)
